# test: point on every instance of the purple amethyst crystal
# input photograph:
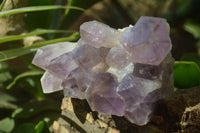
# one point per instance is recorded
(148, 41)
(117, 57)
(51, 83)
(102, 95)
(90, 59)
(62, 65)
(45, 54)
(119, 72)
(77, 83)
(134, 90)
(98, 34)
(71, 89)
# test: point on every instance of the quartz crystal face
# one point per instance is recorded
(119, 72)
(134, 90)
(117, 57)
(50, 83)
(71, 89)
(45, 54)
(98, 34)
(90, 59)
(62, 65)
(148, 41)
(102, 95)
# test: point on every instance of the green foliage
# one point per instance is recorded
(186, 74)
(34, 108)
(33, 33)
(7, 101)
(36, 9)
(24, 75)
(2, 4)
(4, 73)
(72, 15)
(14, 53)
(193, 28)
(45, 16)
(26, 128)
(42, 127)
(7, 125)
(191, 57)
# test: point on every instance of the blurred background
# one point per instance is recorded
(23, 106)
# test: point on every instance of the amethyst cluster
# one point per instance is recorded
(119, 72)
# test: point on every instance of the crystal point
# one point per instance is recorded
(62, 65)
(148, 41)
(90, 59)
(46, 53)
(98, 34)
(50, 83)
(117, 57)
(134, 90)
(102, 95)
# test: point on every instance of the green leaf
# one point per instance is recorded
(26, 128)
(56, 17)
(42, 127)
(7, 125)
(7, 101)
(193, 28)
(186, 74)
(37, 8)
(35, 32)
(14, 53)
(32, 17)
(4, 73)
(72, 15)
(2, 4)
(191, 57)
(35, 108)
(24, 75)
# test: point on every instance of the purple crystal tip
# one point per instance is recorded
(119, 72)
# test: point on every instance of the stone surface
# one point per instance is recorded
(190, 121)
(119, 72)
(148, 41)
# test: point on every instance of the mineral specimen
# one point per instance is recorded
(90, 58)
(45, 54)
(148, 41)
(50, 83)
(119, 72)
(102, 95)
(98, 34)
